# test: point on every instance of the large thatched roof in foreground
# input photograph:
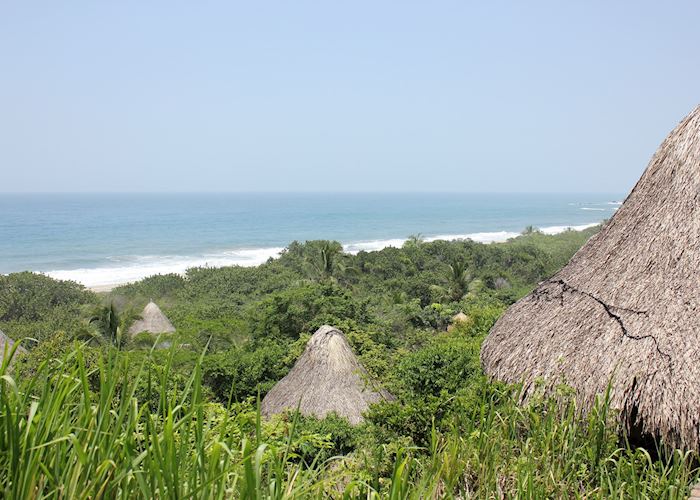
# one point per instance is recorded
(626, 307)
(326, 378)
(152, 321)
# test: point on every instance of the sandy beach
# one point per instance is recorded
(104, 288)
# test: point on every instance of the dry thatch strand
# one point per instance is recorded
(626, 307)
(152, 321)
(326, 378)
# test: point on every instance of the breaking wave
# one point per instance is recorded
(133, 268)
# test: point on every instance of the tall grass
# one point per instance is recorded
(76, 429)
(75, 432)
(547, 450)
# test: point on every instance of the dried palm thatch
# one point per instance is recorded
(7, 343)
(625, 309)
(460, 317)
(152, 321)
(326, 378)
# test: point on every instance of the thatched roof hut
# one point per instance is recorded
(152, 321)
(326, 378)
(626, 307)
(460, 317)
(7, 342)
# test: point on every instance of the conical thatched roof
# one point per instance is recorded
(460, 317)
(7, 341)
(326, 378)
(626, 307)
(152, 320)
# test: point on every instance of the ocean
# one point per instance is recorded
(106, 239)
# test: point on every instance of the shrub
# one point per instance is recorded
(34, 297)
(445, 365)
(243, 372)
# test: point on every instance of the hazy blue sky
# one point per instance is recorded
(296, 95)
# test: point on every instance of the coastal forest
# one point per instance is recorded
(88, 410)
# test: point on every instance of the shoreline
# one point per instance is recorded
(105, 288)
(105, 279)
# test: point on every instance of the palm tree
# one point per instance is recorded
(457, 282)
(414, 240)
(458, 279)
(324, 261)
(106, 326)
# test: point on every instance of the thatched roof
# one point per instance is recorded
(460, 317)
(626, 307)
(152, 320)
(6, 341)
(326, 378)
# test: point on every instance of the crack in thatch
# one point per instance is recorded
(565, 287)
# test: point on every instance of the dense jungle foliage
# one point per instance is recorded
(90, 412)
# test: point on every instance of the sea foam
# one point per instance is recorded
(485, 237)
(130, 269)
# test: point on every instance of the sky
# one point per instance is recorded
(341, 96)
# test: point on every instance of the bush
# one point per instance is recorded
(158, 286)
(445, 365)
(302, 309)
(339, 437)
(392, 421)
(33, 297)
(243, 372)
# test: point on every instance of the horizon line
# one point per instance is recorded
(316, 192)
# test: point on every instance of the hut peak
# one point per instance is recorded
(326, 378)
(152, 321)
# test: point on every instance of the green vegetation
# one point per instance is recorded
(88, 413)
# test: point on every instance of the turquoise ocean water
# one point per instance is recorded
(100, 239)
